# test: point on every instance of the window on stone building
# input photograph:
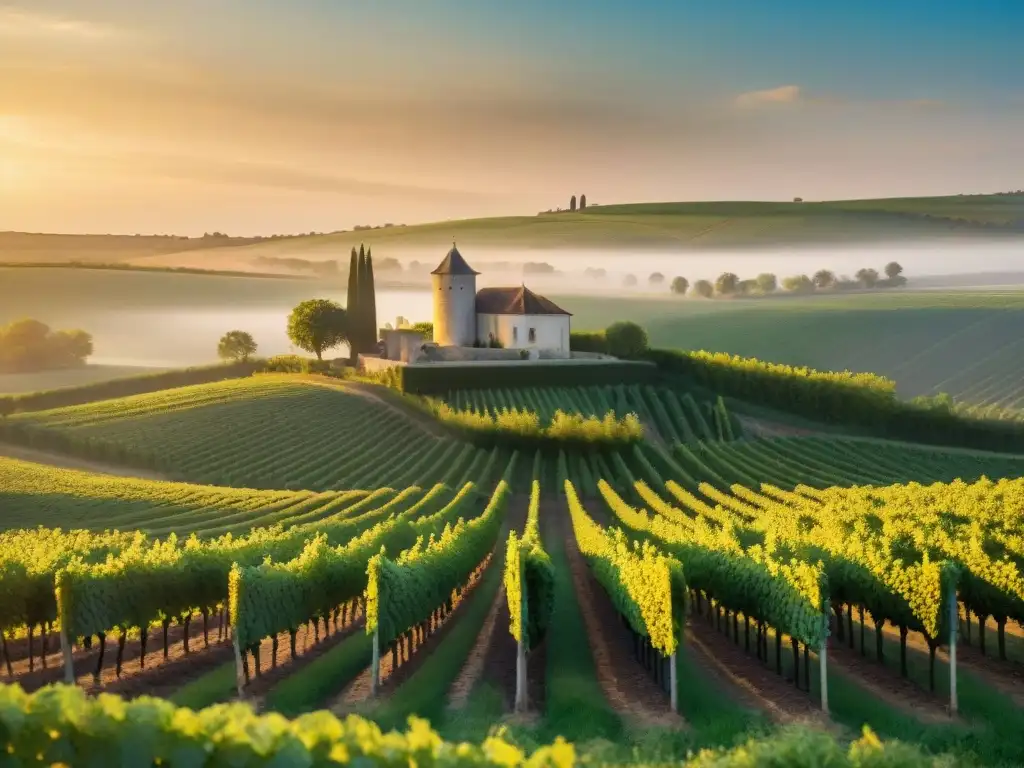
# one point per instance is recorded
(533, 335)
(515, 334)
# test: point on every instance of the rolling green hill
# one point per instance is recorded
(968, 344)
(666, 225)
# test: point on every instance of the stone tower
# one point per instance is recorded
(454, 301)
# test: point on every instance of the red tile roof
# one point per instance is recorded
(514, 301)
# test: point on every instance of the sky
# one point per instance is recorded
(262, 117)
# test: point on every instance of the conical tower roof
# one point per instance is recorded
(454, 264)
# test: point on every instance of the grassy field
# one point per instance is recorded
(21, 246)
(687, 226)
(674, 226)
(268, 432)
(966, 344)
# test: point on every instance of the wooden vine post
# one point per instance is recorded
(521, 674)
(954, 620)
(239, 669)
(65, 647)
(375, 663)
(673, 679)
(822, 659)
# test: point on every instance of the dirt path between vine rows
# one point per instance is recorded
(756, 682)
(493, 657)
(627, 686)
(64, 461)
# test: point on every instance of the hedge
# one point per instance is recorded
(441, 379)
(123, 387)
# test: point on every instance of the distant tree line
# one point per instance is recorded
(729, 284)
(28, 345)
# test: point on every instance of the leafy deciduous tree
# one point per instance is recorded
(704, 289)
(656, 278)
(236, 345)
(629, 280)
(727, 283)
(767, 282)
(867, 277)
(798, 284)
(680, 285)
(317, 325)
(824, 279)
(626, 339)
(893, 270)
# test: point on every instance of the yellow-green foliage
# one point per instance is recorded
(401, 593)
(646, 586)
(62, 725)
(524, 428)
(529, 578)
(789, 596)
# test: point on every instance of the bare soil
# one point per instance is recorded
(630, 690)
(357, 692)
(310, 644)
(135, 678)
(1006, 676)
(758, 683)
(63, 461)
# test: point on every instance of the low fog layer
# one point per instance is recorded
(171, 320)
(573, 271)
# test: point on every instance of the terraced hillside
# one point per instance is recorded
(267, 432)
(462, 585)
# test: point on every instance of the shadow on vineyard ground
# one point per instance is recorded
(754, 681)
(356, 694)
(63, 461)
(1007, 676)
(493, 659)
(307, 649)
(157, 675)
(627, 686)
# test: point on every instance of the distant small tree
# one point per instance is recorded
(867, 277)
(629, 280)
(572, 204)
(236, 345)
(656, 278)
(727, 283)
(767, 283)
(626, 339)
(680, 285)
(798, 284)
(746, 287)
(583, 202)
(824, 279)
(704, 289)
(316, 325)
(893, 270)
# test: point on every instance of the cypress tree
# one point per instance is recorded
(369, 303)
(353, 303)
(359, 322)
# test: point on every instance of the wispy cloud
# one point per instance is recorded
(783, 94)
(18, 22)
